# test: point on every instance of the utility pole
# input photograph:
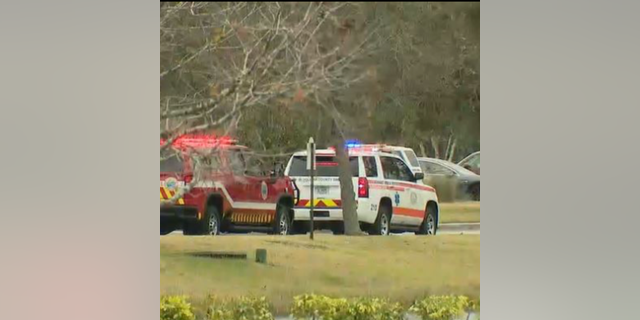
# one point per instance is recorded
(311, 167)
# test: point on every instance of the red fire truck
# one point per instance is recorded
(231, 190)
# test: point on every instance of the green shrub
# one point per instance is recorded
(474, 306)
(239, 309)
(441, 307)
(175, 308)
(326, 308)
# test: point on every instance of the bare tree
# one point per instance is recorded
(219, 60)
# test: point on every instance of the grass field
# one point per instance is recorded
(400, 268)
(458, 212)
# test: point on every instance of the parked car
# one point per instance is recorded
(457, 182)
(471, 162)
(389, 196)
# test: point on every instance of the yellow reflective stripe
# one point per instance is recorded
(180, 201)
(329, 203)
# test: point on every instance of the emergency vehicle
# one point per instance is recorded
(231, 191)
(389, 196)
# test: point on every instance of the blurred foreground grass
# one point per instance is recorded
(399, 268)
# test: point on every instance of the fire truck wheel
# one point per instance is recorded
(212, 221)
(192, 229)
(283, 221)
(428, 225)
(383, 223)
(164, 229)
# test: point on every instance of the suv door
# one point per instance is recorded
(262, 186)
(404, 199)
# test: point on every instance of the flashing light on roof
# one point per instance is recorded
(200, 141)
(352, 143)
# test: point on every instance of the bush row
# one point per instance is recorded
(316, 307)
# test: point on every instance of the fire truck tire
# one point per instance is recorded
(211, 223)
(282, 225)
(164, 229)
(192, 228)
(428, 226)
(382, 225)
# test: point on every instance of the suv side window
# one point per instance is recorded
(404, 173)
(370, 167)
(395, 169)
(254, 165)
(389, 170)
(236, 162)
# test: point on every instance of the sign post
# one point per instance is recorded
(311, 167)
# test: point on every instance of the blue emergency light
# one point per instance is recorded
(352, 143)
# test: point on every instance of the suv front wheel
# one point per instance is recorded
(211, 223)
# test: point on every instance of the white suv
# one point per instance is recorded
(389, 196)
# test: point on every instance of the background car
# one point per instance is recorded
(471, 162)
(451, 181)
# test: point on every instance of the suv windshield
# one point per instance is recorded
(171, 161)
(411, 157)
(327, 166)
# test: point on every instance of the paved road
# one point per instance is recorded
(450, 228)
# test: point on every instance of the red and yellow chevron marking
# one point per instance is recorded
(320, 203)
(251, 218)
(166, 194)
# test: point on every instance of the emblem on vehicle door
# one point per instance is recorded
(171, 184)
(397, 198)
(414, 198)
(264, 190)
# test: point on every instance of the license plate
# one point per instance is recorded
(322, 190)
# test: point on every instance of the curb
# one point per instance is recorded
(459, 226)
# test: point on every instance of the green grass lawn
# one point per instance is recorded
(401, 268)
(458, 212)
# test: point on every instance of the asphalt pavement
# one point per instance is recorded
(445, 228)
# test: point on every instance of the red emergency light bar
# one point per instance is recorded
(327, 164)
(200, 141)
(363, 147)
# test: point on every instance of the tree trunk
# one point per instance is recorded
(453, 149)
(446, 151)
(347, 195)
(422, 151)
(434, 143)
